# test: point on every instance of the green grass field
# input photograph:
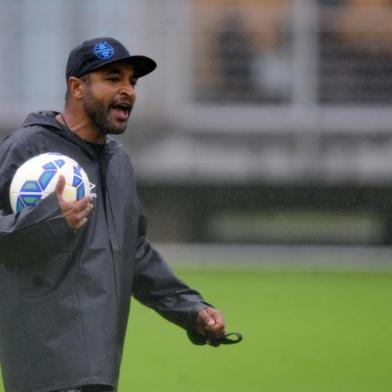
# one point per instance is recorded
(303, 331)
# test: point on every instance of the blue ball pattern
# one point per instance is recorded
(31, 191)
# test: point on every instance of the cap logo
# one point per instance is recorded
(103, 50)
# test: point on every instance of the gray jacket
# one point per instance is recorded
(64, 295)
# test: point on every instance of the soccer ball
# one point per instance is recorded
(38, 177)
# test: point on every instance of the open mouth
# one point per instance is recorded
(121, 111)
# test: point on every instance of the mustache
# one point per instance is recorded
(123, 103)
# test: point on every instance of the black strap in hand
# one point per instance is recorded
(229, 338)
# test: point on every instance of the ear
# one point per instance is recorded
(76, 87)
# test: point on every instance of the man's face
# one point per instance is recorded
(109, 96)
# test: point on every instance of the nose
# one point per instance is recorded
(127, 89)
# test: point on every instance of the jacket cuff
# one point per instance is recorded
(196, 338)
(57, 224)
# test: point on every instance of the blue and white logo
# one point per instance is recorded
(103, 50)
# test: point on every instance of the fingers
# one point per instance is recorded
(205, 318)
(60, 187)
(211, 320)
(76, 213)
(80, 223)
(81, 205)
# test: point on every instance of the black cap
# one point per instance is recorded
(98, 52)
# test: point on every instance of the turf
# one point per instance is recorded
(303, 331)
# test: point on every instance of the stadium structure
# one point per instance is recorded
(266, 120)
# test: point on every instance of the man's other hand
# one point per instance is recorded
(210, 320)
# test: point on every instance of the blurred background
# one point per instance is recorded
(263, 141)
(267, 121)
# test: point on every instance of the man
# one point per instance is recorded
(68, 270)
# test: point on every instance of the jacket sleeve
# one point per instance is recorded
(36, 232)
(157, 287)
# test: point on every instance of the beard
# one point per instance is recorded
(100, 116)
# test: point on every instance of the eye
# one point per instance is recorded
(133, 82)
(113, 78)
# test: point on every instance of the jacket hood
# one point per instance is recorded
(47, 119)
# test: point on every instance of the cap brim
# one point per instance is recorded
(143, 65)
